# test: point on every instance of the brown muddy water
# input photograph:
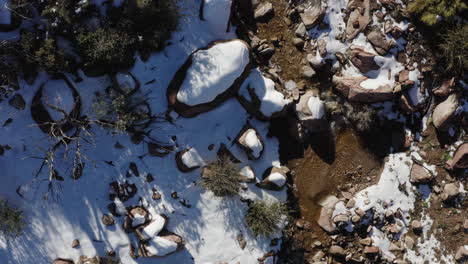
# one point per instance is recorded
(331, 165)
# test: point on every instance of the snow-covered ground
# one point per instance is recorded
(210, 225)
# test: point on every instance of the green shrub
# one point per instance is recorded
(264, 219)
(454, 48)
(11, 219)
(431, 11)
(222, 178)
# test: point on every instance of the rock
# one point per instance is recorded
(274, 178)
(250, 141)
(379, 42)
(358, 20)
(315, 62)
(351, 203)
(446, 88)
(460, 158)
(312, 16)
(241, 241)
(465, 225)
(17, 102)
(310, 111)
(298, 42)
(157, 150)
(362, 59)
(190, 77)
(160, 246)
(416, 226)
(340, 219)
(409, 242)
(318, 256)
(350, 88)
(336, 251)
(188, 160)
(355, 218)
(419, 174)
(308, 72)
(107, 220)
(451, 190)
(322, 47)
(373, 250)
(301, 30)
(462, 254)
(75, 243)
(267, 52)
(247, 174)
(263, 11)
(63, 261)
(365, 241)
(326, 212)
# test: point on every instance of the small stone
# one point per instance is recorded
(365, 241)
(149, 177)
(355, 218)
(360, 212)
(308, 72)
(241, 241)
(351, 203)
(63, 261)
(409, 242)
(465, 225)
(267, 51)
(107, 220)
(17, 102)
(341, 218)
(371, 250)
(301, 30)
(318, 256)
(111, 253)
(389, 215)
(174, 195)
(298, 42)
(451, 190)
(75, 243)
(336, 251)
(416, 226)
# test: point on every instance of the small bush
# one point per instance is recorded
(264, 219)
(362, 117)
(222, 178)
(11, 219)
(454, 48)
(432, 11)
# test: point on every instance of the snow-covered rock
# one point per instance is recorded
(247, 174)
(351, 88)
(160, 246)
(188, 160)
(311, 112)
(209, 77)
(460, 158)
(249, 140)
(274, 178)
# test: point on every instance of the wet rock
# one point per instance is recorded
(263, 11)
(107, 220)
(446, 88)
(460, 158)
(451, 190)
(419, 174)
(444, 112)
(308, 72)
(17, 102)
(379, 42)
(362, 59)
(250, 141)
(312, 16)
(75, 243)
(274, 178)
(337, 251)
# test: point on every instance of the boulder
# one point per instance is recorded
(310, 111)
(209, 76)
(358, 20)
(263, 11)
(362, 59)
(460, 158)
(379, 42)
(247, 174)
(274, 178)
(312, 16)
(153, 228)
(350, 88)
(326, 213)
(188, 160)
(250, 141)
(107, 220)
(419, 174)
(446, 88)
(444, 112)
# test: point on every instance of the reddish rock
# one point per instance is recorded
(373, 250)
(446, 88)
(419, 174)
(362, 59)
(358, 19)
(379, 42)
(444, 112)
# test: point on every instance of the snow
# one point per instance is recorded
(154, 227)
(57, 93)
(216, 13)
(213, 71)
(159, 246)
(191, 158)
(316, 107)
(5, 14)
(252, 141)
(76, 210)
(271, 101)
(125, 81)
(277, 178)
